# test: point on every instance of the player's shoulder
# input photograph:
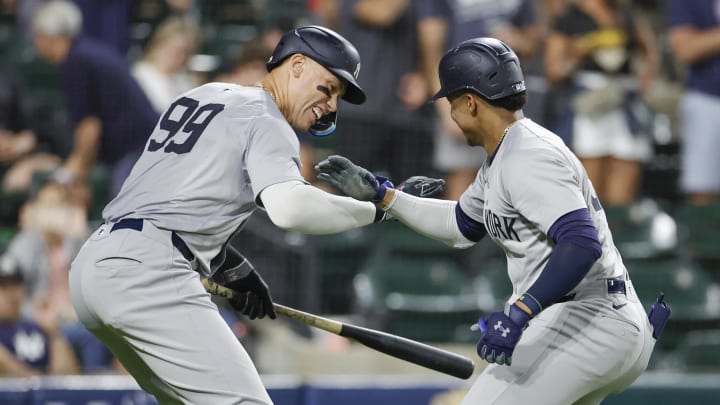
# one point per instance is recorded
(530, 141)
(241, 101)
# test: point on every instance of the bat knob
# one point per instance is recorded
(481, 326)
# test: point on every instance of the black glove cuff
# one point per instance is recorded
(234, 267)
(379, 214)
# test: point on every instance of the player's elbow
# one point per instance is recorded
(286, 217)
(462, 244)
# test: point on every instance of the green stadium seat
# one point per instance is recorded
(642, 230)
(493, 284)
(700, 351)
(339, 258)
(689, 291)
(395, 237)
(700, 234)
(422, 298)
(6, 235)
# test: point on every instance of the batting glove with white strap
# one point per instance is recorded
(501, 333)
(238, 274)
(421, 186)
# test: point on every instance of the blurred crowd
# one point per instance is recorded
(633, 87)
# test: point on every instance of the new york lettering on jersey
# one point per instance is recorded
(500, 227)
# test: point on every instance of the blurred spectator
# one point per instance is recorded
(391, 133)
(28, 347)
(108, 110)
(444, 24)
(591, 46)
(249, 67)
(695, 40)
(163, 70)
(156, 11)
(22, 152)
(52, 228)
(107, 21)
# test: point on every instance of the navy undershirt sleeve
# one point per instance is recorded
(576, 250)
(470, 228)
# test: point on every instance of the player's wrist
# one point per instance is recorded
(524, 309)
(388, 200)
(518, 315)
(384, 184)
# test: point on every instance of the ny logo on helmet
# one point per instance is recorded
(357, 70)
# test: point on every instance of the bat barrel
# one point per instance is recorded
(396, 346)
(414, 352)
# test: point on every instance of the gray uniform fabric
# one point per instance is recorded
(205, 195)
(572, 352)
(211, 154)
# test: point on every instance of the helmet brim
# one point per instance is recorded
(354, 94)
(442, 93)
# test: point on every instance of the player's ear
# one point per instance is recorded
(297, 64)
(472, 103)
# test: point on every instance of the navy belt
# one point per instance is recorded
(136, 224)
(614, 286)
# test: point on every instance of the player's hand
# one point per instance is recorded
(238, 274)
(353, 180)
(421, 186)
(501, 334)
(254, 299)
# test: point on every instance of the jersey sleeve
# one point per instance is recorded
(679, 13)
(472, 201)
(543, 189)
(272, 155)
(80, 94)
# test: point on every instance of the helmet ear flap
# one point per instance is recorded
(325, 125)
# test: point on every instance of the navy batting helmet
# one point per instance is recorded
(329, 49)
(485, 66)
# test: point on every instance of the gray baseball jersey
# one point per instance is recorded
(532, 181)
(577, 351)
(205, 164)
(211, 154)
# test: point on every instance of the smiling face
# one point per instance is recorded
(313, 90)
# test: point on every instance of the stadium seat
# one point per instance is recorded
(395, 237)
(6, 235)
(700, 235)
(700, 351)
(690, 293)
(642, 230)
(493, 284)
(422, 298)
(339, 258)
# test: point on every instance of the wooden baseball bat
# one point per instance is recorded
(396, 346)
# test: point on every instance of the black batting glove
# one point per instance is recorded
(238, 274)
(422, 186)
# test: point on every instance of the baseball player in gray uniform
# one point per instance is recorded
(573, 330)
(216, 154)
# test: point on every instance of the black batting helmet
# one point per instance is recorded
(329, 49)
(485, 66)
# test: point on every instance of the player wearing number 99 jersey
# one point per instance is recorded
(216, 154)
